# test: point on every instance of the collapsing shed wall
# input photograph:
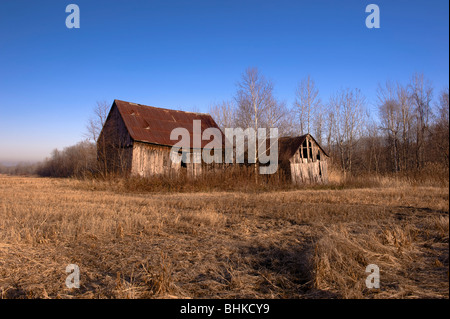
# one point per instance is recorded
(304, 171)
(307, 164)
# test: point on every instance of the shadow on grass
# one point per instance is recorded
(287, 271)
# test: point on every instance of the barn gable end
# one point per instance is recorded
(115, 144)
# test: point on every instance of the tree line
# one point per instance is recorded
(78, 160)
(410, 133)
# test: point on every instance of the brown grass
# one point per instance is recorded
(292, 243)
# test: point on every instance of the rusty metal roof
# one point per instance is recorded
(153, 124)
(287, 146)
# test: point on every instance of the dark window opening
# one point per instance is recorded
(183, 158)
(305, 149)
(305, 152)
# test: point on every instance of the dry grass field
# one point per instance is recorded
(309, 243)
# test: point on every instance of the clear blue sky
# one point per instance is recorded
(188, 54)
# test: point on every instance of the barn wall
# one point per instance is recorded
(114, 145)
(149, 160)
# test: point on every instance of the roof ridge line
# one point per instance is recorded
(161, 108)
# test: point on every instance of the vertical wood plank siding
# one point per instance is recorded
(309, 169)
(150, 159)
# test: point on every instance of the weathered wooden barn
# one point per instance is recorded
(135, 140)
(302, 159)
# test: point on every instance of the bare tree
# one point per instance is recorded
(94, 128)
(330, 123)
(374, 148)
(421, 94)
(349, 117)
(318, 126)
(307, 104)
(390, 115)
(405, 125)
(276, 114)
(253, 97)
(441, 128)
(224, 113)
(97, 120)
(256, 105)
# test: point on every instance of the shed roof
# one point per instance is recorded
(287, 146)
(154, 125)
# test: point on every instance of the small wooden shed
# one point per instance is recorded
(303, 159)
